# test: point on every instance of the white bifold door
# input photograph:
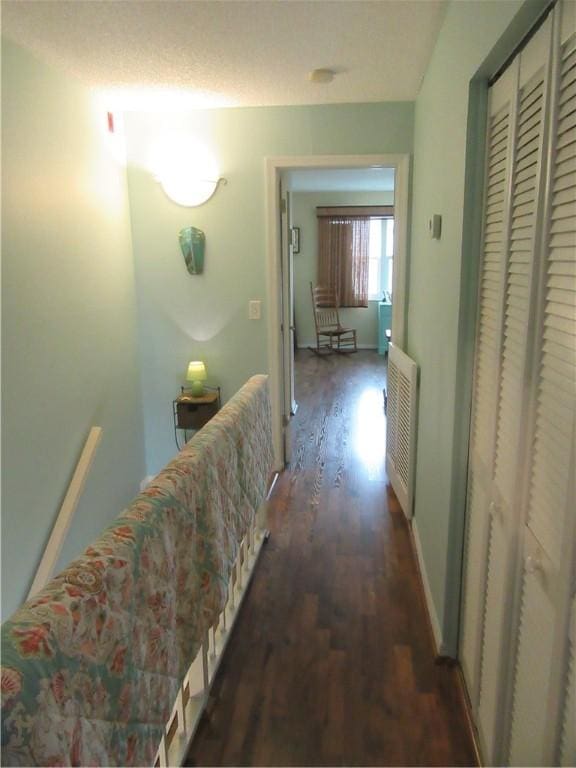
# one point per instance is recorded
(518, 626)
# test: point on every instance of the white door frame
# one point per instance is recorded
(274, 167)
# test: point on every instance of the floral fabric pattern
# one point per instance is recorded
(91, 665)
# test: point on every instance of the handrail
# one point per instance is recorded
(66, 513)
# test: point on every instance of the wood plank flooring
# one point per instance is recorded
(331, 662)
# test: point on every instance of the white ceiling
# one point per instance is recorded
(234, 52)
(341, 180)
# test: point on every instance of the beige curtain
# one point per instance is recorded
(343, 257)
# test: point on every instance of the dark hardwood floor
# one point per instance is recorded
(331, 662)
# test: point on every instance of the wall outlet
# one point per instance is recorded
(435, 226)
(254, 309)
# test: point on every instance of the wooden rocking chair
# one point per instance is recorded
(331, 336)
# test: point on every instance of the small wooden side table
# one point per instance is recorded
(191, 413)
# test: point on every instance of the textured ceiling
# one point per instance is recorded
(234, 53)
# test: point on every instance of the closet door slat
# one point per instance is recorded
(518, 295)
(568, 733)
(474, 576)
(550, 505)
(536, 643)
(485, 377)
(510, 445)
(557, 375)
(490, 287)
(520, 544)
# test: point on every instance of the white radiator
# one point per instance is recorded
(401, 426)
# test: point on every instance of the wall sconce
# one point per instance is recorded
(186, 170)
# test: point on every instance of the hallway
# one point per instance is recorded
(331, 662)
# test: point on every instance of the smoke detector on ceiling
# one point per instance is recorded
(321, 75)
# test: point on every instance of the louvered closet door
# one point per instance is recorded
(486, 374)
(544, 675)
(510, 427)
(518, 632)
(568, 732)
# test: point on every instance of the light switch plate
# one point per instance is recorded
(254, 311)
(435, 226)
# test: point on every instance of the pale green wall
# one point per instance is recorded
(365, 320)
(206, 316)
(68, 318)
(475, 35)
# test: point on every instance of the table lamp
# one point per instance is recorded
(196, 374)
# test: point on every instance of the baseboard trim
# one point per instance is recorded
(433, 623)
(467, 705)
(307, 345)
(435, 635)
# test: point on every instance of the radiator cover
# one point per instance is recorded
(401, 426)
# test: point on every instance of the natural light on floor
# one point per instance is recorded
(369, 432)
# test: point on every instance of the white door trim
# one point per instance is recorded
(274, 167)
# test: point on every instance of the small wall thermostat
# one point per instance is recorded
(435, 226)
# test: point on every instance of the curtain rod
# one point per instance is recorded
(355, 210)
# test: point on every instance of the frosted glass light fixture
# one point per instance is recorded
(197, 375)
(187, 170)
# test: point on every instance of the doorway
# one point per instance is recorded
(281, 174)
(340, 227)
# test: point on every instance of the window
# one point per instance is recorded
(380, 257)
(355, 251)
(389, 255)
(343, 258)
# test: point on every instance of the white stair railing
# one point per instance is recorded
(192, 696)
(66, 513)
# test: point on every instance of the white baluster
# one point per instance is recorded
(212, 641)
(239, 570)
(180, 712)
(205, 667)
(250, 540)
(244, 557)
(231, 595)
(195, 676)
(162, 755)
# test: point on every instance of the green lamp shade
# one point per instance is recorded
(196, 374)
